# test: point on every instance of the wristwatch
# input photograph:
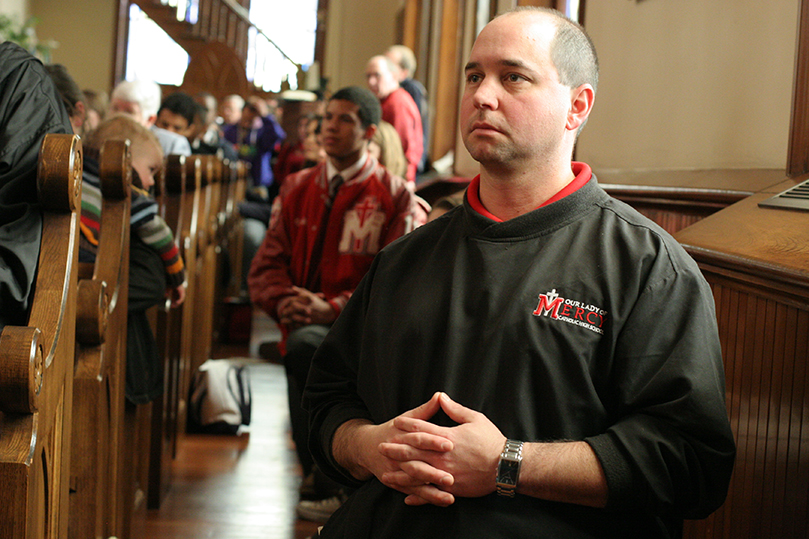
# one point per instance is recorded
(508, 469)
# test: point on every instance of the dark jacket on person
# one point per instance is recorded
(30, 107)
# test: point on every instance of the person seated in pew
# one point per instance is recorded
(313, 152)
(386, 146)
(177, 113)
(543, 361)
(205, 137)
(290, 157)
(257, 137)
(232, 106)
(30, 108)
(404, 63)
(398, 108)
(156, 270)
(96, 104)
(72, 96)
(140, 99)
(328, 222)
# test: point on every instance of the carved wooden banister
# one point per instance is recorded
(226, 22)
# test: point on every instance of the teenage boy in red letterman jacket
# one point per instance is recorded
(327, 224)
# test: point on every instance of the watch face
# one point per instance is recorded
(509, 475)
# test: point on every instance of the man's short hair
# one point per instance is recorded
(145, 93)
(407, 59)
(370, 112)
(68, 90)
(182, 104)
(572, 51)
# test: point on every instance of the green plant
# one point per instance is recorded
(25, 35)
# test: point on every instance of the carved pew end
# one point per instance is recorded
(21, 369)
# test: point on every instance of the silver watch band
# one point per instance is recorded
(508, 469)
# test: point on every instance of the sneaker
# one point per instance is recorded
(319, 510)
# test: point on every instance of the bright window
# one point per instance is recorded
(151, 54)
(292, 27)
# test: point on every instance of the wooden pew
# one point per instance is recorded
(36, 362)
(205, 268)
(176, 204)
(236, 193)
(97, 479)
(175, 331)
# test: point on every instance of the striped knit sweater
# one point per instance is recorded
(145, 222)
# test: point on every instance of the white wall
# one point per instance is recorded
(691, 84)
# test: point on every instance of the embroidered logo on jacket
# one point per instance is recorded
(362, 228)
(571, 311)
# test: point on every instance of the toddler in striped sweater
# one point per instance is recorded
(146, 223)
(156, 270)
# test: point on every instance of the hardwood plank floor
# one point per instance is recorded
(236, 487)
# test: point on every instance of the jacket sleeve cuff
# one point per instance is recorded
(620, 486)
(337, 416)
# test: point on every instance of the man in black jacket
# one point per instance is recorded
(30, 107)
(577, 339)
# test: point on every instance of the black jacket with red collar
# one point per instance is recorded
(581, 320)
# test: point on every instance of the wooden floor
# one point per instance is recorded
(236, 487)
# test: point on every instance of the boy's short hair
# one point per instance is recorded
(182, 104)
(120, 127)
(370, 112)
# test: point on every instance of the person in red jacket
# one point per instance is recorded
(327, 224)
(398, 109)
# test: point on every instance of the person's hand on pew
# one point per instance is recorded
(176, 295)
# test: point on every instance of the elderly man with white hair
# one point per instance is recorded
(141, 100)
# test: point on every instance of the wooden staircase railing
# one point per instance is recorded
(193, 24)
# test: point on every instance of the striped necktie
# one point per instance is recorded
(334, 186)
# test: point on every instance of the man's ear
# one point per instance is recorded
(151, 120)
(581, 104)
(369, 132)
(79, 115)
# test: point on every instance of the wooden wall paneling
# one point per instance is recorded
(538, 3)
(411, 26)
(801, 406)
(796, 517)
(763, 330)
(449, 41)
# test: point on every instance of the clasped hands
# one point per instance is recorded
(304, 308)
(430, 463)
